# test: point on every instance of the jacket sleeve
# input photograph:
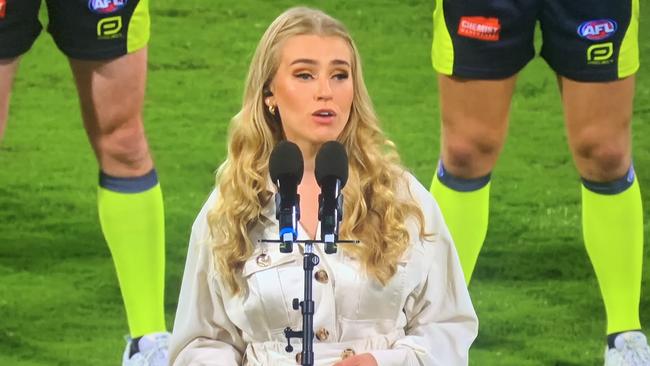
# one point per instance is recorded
(441, 322)
(203, 334)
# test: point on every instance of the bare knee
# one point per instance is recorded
(471, 142)
(602, 161)
(470, 158)
(123, 149)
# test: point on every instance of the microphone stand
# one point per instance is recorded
(309, 261)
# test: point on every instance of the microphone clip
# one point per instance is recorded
(288, 217)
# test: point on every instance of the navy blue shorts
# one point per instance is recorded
(584, 40)
(83, 29)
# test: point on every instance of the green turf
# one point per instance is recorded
(533, 289)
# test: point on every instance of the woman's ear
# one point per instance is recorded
(266, 91)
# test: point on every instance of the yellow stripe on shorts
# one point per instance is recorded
(139, 26)
(628, 57)
(442, 50)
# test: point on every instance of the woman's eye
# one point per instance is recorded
(304, 76)
(341, 76)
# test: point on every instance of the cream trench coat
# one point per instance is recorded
(423, 316)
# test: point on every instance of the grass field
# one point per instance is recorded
(533, 289)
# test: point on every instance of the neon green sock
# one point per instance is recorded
(133, 226)
(612, 226)
(466, 215)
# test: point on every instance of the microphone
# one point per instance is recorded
(286, 167)
(331, 174)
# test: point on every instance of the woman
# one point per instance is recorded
(397, 298)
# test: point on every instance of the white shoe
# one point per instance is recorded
(149, 350)
(631, 349)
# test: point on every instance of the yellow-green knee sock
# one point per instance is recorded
(612, 223)
(465, 206)
(132, 220)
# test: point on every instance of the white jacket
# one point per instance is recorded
(423, 316)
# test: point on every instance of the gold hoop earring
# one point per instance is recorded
(272, 109)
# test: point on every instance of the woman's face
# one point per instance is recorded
(313, 88)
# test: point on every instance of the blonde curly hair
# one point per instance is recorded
(374, 213)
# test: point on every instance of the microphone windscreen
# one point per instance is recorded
(332, 161)
(286, 160)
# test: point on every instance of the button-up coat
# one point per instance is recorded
(422, 316)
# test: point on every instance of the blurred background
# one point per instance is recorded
(534, 289)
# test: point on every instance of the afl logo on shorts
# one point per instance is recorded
(597, 30)
(105, 6)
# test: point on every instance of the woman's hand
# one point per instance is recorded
(364, 359)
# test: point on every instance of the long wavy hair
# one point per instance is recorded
(374, 212)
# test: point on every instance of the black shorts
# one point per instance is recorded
(83, 29)
(584, 40)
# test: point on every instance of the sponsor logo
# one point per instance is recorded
(600, 54)
(108, 28)
(3, 8)
(597, 30)
(485, 29)
(105, 6)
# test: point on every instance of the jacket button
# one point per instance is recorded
(322, 276)
(348, 352)
(322, 334)
(263, 260)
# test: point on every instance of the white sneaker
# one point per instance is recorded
(149, 350)
(631, 349)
